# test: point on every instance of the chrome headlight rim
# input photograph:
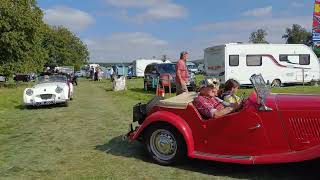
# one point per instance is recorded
(29, 92)
(58, 90)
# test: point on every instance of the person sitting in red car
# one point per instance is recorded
(207, 103)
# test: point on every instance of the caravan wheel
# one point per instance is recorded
(276, 83)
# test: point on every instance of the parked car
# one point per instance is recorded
(24, 77)
(3, 78)
(153, 72)
(78, 74)
(269, 128)
(139, 65)
(49, 89)
(65, 69)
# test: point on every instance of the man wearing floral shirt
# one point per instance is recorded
(206, 102)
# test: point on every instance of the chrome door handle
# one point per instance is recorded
(255, 127)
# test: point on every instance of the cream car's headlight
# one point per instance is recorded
(29, 92)
(59, 90)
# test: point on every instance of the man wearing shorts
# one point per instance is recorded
(182, 73)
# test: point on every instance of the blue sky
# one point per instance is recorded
(123, 30)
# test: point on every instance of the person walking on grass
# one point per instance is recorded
(182, 73)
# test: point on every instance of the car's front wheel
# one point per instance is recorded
(66, 104)
(165, 144)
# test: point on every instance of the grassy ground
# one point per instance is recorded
(83, 141)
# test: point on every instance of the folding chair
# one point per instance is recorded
(164, 81)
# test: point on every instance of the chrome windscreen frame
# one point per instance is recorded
(262, 91)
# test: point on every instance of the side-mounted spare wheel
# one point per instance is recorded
(165, 144)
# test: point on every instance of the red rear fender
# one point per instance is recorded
(172, 119)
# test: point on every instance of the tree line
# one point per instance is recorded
(28, 44)
(293, 35)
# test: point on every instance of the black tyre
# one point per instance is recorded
(276, 83)
(165, 144)
(29, 107)
(66, 104)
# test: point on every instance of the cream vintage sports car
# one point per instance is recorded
(49, 89)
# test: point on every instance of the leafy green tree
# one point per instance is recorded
(297, 35)
(64, 48)
(258, 37)
(21, 30)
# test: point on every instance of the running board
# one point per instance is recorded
(224, 158)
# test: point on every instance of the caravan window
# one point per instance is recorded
(254, 60)
(304, 59)
(234, 60)
(292, 59)
(283, 58)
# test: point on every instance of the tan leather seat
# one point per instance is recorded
(178, 102)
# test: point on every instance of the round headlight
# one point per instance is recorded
(29, 92)
(59, 89)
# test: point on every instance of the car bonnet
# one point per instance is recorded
(298, 102)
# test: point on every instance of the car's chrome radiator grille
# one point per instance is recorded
(306, 128)
(46, 96)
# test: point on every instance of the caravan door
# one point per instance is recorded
(301, 65)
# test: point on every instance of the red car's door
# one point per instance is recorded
(240, 133)
(301, 117)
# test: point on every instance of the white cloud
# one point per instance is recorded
(125, 47)
(134, 3)
(234, 31)
(297, 4)
(150, 10)
(74, 19)
(279, 23)
(259, 12)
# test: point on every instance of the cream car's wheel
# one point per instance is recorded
(66, 104)
(165, 144)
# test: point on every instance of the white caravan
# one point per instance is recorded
(278, 63)
(139, 65)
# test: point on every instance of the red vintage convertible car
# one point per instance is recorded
(269, 128)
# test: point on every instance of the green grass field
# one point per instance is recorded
(83, 141)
